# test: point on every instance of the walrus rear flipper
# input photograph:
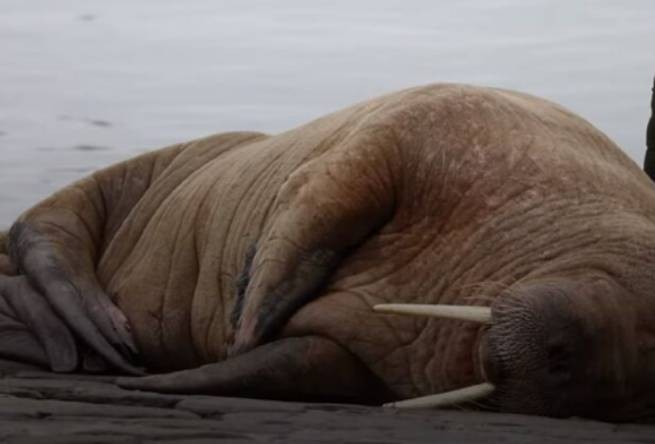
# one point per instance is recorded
(57, 270)
(309, 368)
(29, 331)
(56, 245)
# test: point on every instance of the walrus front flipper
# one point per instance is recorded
(325, 208)
(304, 368)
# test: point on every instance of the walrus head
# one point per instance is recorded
(581, 345)
(572, 348)
(558, 348)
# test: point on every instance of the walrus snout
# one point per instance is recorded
(565, 349)
(561, 347)
(535, 352)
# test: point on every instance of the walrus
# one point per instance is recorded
(442, 244)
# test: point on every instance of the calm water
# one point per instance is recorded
(85, 83)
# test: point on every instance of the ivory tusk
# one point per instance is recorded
(444, 399)
(459, 312)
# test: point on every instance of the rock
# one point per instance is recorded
(46, 408)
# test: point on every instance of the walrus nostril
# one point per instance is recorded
(548, 346)
(558, 363)
(558, 352)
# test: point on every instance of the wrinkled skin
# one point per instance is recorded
(256, 260)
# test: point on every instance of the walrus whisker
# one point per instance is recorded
(459, 312)
(466, 394)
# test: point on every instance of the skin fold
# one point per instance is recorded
(256, 260)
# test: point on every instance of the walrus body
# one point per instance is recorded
(442, 194)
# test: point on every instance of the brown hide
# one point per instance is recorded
(473, 190)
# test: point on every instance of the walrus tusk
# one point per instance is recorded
(460, 312)
(444, 399)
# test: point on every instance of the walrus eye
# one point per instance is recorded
(458, 312)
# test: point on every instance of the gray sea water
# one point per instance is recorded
(84, 83)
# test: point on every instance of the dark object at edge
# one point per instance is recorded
(649, 161)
